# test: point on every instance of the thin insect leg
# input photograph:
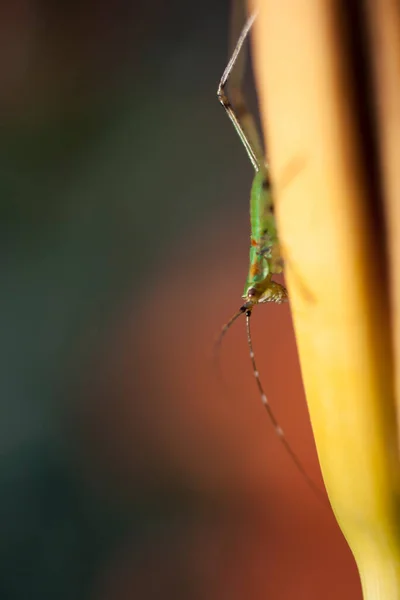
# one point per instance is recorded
(239, 114)
(238, 15)
(274, 421)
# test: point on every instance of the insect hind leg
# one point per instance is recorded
(237, 111)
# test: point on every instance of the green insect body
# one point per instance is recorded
(265, 258)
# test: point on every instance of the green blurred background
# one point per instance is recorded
(128, 470)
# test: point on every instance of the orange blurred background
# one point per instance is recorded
(129, 469)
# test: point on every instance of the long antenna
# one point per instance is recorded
(278, 429)
(225, 328)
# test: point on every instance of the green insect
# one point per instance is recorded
(265, 255)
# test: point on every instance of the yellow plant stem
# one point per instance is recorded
(335, 274)
(384, 26)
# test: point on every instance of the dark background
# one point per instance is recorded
(128, 469)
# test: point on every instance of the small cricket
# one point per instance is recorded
(265, 254)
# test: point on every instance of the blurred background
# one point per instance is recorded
(128, 468)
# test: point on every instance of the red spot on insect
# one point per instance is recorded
(253, 242)
(254, 269)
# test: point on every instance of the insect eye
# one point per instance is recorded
(251, 293)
